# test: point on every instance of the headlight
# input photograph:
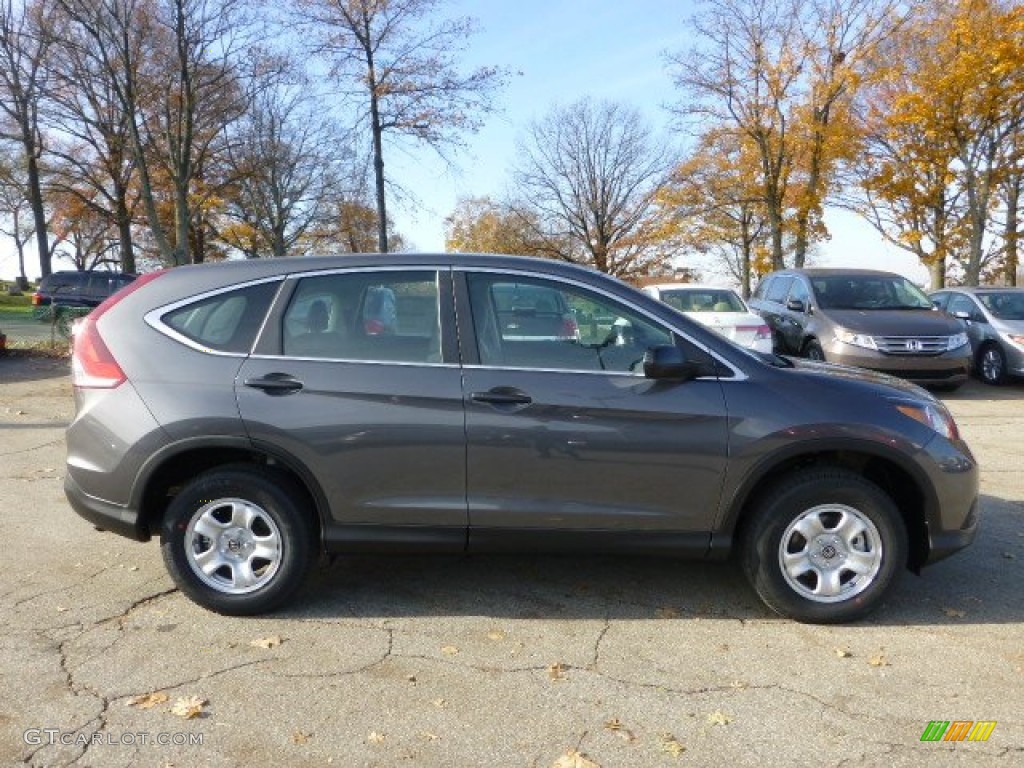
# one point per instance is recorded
(856, 339)
(957, 341)
(1016, 338)
(932, 415)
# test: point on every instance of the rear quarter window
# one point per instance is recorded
(226, 322)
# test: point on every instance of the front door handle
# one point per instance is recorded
(275, 383)
(502, 396)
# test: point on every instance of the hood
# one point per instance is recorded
(831, 372)
(895, 322)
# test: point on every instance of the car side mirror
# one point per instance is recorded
(962, 315)
(669, 362)
(796, 305)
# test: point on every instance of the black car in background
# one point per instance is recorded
(256, 414)
(71, 288)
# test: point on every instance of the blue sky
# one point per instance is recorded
(565, 50)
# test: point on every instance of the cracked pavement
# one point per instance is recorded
(491, 661)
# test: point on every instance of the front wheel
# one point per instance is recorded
(824, 546)
(992, 365)
(237, 541)
(813, 350)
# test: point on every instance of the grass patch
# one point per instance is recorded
(16, 304)
(58, 350)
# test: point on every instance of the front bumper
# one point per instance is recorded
(952, 368)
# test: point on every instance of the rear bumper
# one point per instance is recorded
(104, 514)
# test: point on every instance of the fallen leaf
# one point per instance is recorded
(879, 660)
(667, 613)
(188, 708)
(410, 678)
(672, 745)
(440, 703)
(62, 609)
(719, 718)
(557, 671)
(495, 634)
(266, 642)
(842, 653)
(429, 736)
(739, 684)
(148, 700)
(615, 726)
(376, 738)
(574, 759)
(449, 650)
(954, 613)
(301, 737)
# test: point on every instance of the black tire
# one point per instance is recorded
(991, 364)
(813, 350)
(820, 500)
(261, 541)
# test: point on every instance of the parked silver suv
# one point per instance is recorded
(255, 414)
(994, 320)
(866, 318)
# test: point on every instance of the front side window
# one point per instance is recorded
(960, 303)
(226, 322)
(778, 289)
(548, 325)
(799, 292)
(1007, 305)
(367, 316)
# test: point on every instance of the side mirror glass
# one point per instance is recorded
(796, 305)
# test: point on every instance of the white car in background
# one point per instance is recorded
(721, 309)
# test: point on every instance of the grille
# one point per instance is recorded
(912, 345)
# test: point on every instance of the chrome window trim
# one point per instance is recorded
(154, 320)
(354, 361)
(738, 375)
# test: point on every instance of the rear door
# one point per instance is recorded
(568, 443)
(356, 379)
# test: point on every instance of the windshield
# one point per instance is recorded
(1008, 305)
(868, 292)
(703, 300)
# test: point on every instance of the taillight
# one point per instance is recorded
(37, 300)
(760, 331)
(92, 364)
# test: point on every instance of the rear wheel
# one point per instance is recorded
(824, 546)
(236, 540)
(992, 364)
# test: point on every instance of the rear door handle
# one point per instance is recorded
(502, 396)
(275, 383)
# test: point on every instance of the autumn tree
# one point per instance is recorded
(783, 72)
(483, 225)
(396, 60)
(941, 129)
(717, 205)
(588, 176)
(25, 44)
(85, 231)
(354, 228)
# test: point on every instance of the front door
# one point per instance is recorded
(568, 442)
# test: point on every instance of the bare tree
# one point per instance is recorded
(15, 208)
(589, 175)
(24, 47)
(399, 63)
(288, 165)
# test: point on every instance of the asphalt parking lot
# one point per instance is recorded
(491, 661)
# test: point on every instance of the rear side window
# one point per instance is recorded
(380, 316)
(227, 322)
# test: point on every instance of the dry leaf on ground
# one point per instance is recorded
(449, 650)
(954, 613)
(557, 671)
(188, 708)
(267, 642)
(842, 653)
(301, 737)
(574, 759)
(376, 738)
(148, 700)
(879, 660)
(672, 745)
(719, 718)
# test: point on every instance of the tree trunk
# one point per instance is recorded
(35, 194)
(937, 273)
(124, 229)
(1011, 235)
(378, 178)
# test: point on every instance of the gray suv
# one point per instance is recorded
(257, 414)
(865, 318)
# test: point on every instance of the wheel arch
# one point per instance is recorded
(164, 474)
(902, 482)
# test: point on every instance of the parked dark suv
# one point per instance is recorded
(79, 289)
(866, 318)
(253, 414)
